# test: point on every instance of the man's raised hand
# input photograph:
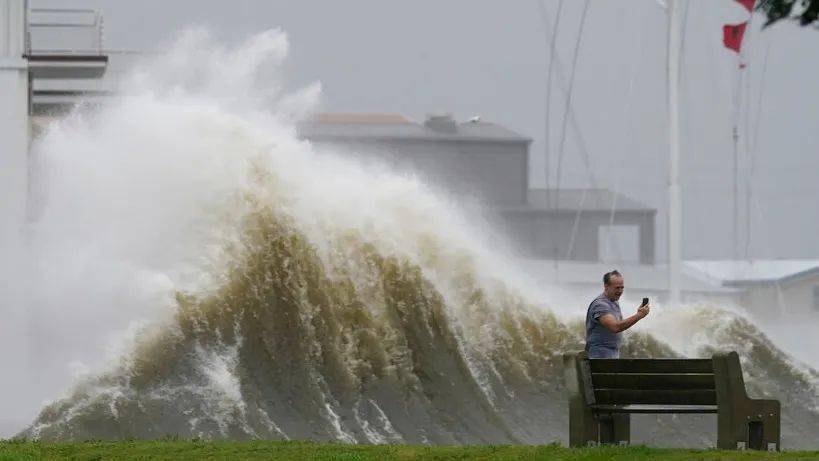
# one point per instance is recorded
(644, 310)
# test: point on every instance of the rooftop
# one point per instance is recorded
(358, 118)
(386, 126)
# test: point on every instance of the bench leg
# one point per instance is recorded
(614, 428)
(771, 436)
(770, 413)
(731, 432)
(750, 434)
(756, 428)
(622, 429)
(763, 426)
(583, 428)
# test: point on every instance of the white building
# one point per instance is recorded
(767, 288)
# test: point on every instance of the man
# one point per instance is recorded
(604, 321)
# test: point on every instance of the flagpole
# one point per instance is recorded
(674, 196)
(735, 137)
(736, 190)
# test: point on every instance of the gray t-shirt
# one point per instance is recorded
(596, 333)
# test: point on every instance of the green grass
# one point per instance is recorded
(180, 450)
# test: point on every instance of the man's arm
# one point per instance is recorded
(611, 323)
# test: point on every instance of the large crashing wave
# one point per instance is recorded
(315, 298)
(360, 348)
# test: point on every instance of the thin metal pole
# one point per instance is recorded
(674, 196)
(736, 193)
(550, 72)
(738, 103)
(752, 150)
(569, 99)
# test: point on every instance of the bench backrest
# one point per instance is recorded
(649, 381)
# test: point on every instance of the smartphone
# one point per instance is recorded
(645, 301)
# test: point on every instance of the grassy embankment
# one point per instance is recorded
(181, 450)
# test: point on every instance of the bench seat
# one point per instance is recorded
(655, 409)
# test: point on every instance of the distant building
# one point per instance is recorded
(485, 160)
(583, 225)
(767, 288)
(474, 158)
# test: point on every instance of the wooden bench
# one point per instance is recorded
(604, 392)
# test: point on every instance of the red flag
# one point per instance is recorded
(732, 35)
(748, 4)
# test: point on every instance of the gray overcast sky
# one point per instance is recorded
(490, 58)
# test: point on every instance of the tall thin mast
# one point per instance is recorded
(674, 199)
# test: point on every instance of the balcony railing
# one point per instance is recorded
(65, 31)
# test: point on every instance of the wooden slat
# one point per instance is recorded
(651, 366)
(653, 380)
(653, 409)
(657, 397)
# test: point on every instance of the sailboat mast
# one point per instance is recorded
(674, 198)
